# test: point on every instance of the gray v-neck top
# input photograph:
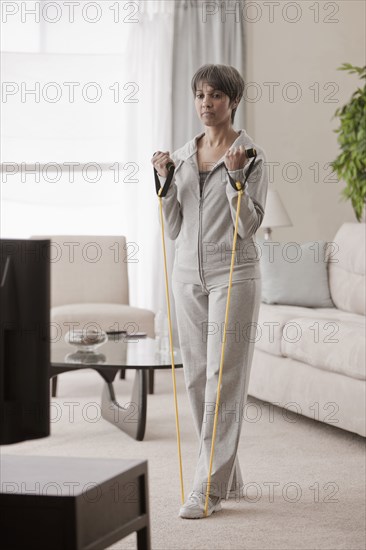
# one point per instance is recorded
(203, 176)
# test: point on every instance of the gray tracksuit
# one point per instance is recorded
(202, 228)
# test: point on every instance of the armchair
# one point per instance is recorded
(89, 286)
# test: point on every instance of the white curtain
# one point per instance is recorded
(178, 38)
(153, 59)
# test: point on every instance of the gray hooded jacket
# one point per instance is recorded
(203, 226)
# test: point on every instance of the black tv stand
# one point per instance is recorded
(68, 503)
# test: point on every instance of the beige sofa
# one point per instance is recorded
(321, 374)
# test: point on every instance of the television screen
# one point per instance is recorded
(25, 340)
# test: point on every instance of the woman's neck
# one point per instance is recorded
(217, 138)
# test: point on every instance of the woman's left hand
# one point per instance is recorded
(235, 158)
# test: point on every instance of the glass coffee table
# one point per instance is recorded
(119, 353)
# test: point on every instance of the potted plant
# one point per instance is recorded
(350, 165)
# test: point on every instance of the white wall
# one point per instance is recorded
(305, 52)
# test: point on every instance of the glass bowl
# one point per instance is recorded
(85, 358)
(86, 340)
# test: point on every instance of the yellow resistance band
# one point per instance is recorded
(240, 192)
(171, 347)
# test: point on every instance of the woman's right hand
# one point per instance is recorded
(159, 161)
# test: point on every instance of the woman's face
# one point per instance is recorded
(212, 106)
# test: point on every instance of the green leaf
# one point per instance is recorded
(350, 165)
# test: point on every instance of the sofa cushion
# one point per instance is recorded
(346, 266)
(104, 316)
(294, 274)
(273, 318)
(332, 345)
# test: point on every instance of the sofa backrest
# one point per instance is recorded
(346, 268)
(88, 269)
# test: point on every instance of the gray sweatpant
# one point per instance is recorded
(200, 311)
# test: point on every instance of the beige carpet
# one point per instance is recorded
(317, 472)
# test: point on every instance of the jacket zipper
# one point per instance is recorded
(199, 242)
(200, 259)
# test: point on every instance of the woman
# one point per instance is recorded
(199, 211)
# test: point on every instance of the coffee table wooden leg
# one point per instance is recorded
(131, 418)
(151, 381)
(54, 386)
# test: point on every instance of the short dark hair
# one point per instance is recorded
(221, 77)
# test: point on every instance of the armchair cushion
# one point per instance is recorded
(104, 316)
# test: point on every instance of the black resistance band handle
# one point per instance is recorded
(167, 183)
(251, 153)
